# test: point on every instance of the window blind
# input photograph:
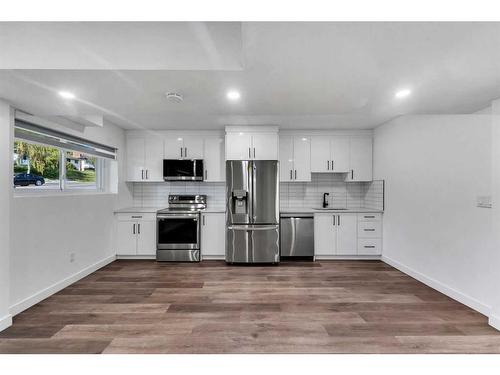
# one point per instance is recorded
(32, 132)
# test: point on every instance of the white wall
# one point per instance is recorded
(46, 230)
(434, 168)
(495, 110)
(5, 203)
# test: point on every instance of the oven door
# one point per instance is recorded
(178, 231)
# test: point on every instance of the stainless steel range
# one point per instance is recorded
(178, 229)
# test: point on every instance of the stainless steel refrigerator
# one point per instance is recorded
(252, 211)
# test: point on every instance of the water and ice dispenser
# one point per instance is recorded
(240, 202)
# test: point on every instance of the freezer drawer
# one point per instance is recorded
(297, 236)
(252, 244)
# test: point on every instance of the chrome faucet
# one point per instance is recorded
(325, 201)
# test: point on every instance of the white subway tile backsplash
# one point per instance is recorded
(292, 194)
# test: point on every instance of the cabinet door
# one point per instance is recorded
(347, 234)
(360, 159)
(302, 158)
(146, 237)
(324, 234)
(174, 148)
(154, 159)
(135, 159)
(193, 147)
(340, 154)
(320, 154)
(126, 235)
(265, 147)
(213, 161)
(286, 159)
(238, 146)
(213, 234)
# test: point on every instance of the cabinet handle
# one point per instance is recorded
(332, 165)
(328, 164)
(291, 178)
(206, 174)
(295, 174)
(185, 151)
(203, 219)
(339, 220)
(254, 152)
(369, 217)
(369, 246)
(147, 178)
(352, 174)
(249, 153)
(133, 228)
(369, 230)
(142, 174)
(138, 228)
(136, 217)
(333, 220)
(181, 152)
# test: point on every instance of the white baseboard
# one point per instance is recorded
(47, 292)
(494, 321)
(439, 286)
(5, 322)
(138, 257)
(347, 257)
(213, 257)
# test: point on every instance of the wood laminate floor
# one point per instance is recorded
(209, 307)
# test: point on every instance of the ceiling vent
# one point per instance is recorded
(174, 97)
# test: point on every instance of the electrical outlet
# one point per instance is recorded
(483, 201)
(71, 257)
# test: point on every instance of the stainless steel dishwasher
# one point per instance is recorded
(297, 236)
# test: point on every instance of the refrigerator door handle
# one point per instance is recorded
(250, 229)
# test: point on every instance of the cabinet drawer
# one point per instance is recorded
(369, 216)
(136, 216)
(369, 246)
(369, 229)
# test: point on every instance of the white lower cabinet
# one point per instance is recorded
(136, 234)
(347, 234)
(213, 235)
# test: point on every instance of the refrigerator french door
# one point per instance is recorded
(252, 212)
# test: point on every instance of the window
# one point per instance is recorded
(46, 159)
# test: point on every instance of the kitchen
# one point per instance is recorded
(249, 200)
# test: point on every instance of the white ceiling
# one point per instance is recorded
(295, 75)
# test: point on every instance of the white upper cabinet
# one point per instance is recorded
(295, 158)
(153, 159)
(183, 147)
(193, 147)
(320, 154)
(174, 147)
(265, 146)
(238, 146)
(144, 159)
(213, 161)
(135, 159)
(339, 147)
(245, 143)
(360, 159)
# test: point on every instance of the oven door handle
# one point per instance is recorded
(183, 216)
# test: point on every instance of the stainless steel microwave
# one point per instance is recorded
(183, 169)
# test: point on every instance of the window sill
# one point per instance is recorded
(56, 193)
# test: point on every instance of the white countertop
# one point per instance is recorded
(306, 210)
(144, 210)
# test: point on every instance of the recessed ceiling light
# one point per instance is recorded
(402, 93)
(66, 95)
(174, 97)
(233, 95)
